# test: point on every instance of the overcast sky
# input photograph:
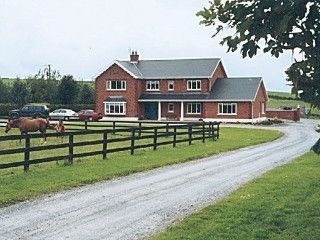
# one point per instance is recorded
(82, 37)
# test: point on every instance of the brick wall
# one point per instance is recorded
(260, 99)
(219, 73)
(211, 111)
(132, 92)
(293, 115)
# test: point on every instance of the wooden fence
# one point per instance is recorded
(177, 133)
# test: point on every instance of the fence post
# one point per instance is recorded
(212, 129)
(190, 134)
(70, 159)
(209, 129)
(26, 153)
(86, 124)
(140, 126)
(155, 138)
(174, 136)
(218, 130)
(203, 132)
(114, 127)
(132, 141)
(104, 146)
(167, 128)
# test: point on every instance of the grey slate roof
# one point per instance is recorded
(235, 88)
(224, 89)
(171, 69)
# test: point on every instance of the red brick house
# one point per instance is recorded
(179, 89)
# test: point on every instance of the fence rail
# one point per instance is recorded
(171, 134)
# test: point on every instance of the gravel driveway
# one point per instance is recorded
(137, 206)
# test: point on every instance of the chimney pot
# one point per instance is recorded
(134, 57)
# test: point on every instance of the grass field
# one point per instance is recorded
(15, 185)
(282, 204)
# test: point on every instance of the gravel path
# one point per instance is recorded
(137, 206)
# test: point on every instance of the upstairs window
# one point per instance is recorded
(228, 108)
(194, 85)
(171, 85)
(116, 85)
(152, 86)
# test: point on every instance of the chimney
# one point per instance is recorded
(134, 57)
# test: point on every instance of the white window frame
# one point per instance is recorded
(115, 104)
(170, 82)
(193, 106)
(263, 106)
(123, 85)
(172, 110)
(152, 83)
(222, 106)
(197, 85)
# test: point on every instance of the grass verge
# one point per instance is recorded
(282, 204)
(15, 185)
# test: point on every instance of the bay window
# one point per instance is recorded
(115, 108)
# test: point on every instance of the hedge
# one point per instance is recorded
(6, 107)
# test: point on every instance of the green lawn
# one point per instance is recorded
(15, 185)
(282, 204)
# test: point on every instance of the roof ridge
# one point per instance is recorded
(173, 59)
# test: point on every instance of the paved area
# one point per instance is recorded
(139, 205)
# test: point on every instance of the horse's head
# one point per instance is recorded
(8, 126)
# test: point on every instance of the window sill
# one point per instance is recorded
(153, 90)
(227, 114)
(194, 90)
(115, 114)
(117, 90)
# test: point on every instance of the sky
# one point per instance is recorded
(83, 37)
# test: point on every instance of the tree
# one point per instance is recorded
(67, 90)
(37, 89)
(86, 94)
(4, 92)
(273, 26)
(44, 85)
(19, 92)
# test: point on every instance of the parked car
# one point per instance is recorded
(89, 114)
(65, 114)
(29, 110)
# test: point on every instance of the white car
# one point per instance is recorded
(64, 114)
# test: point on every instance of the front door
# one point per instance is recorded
(151, 110)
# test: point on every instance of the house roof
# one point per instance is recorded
(171, 69)
(224, 89)
(115, 99)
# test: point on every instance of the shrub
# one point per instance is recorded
(6, 107)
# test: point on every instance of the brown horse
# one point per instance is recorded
(26, 125)
(60, 129)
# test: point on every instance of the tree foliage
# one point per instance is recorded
(273, 26)
(19, 92)
(67, 90)
(86, 94)
(4, 92)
